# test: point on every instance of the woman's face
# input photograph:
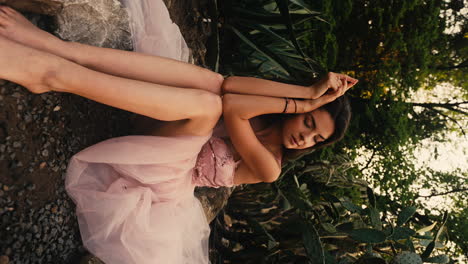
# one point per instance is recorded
(305, 130)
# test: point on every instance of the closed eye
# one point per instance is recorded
(309, 121)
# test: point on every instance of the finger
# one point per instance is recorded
(348, 78)
(333, 85)
(345, 87)
(351, 84)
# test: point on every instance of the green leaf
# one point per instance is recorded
(375, 218)
(312, 244)
(444, 221)
(285, 204)
(351, 207)
(426, 228)
(284, 10)
(438, 259)
(371, 196)
(402, 233)
(306, 6)
(427, 252)
(423, 237)
(329, 259)
(262, 51)
(368, 235)
(405, 215)
(271, 244)
(345, 227)
(410, 246)
(259, 228)
(328, 227)
(270, 33)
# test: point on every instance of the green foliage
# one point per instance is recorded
(405, 215)
(368, 235)
(312, 244)
(438, 259)
(269, 38)
(394, 48)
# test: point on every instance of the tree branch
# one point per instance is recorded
(452, 119)
(444, 193)
(369, 161)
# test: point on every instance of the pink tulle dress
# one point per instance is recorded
(135, 200)
(134, 195)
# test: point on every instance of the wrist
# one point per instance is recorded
(313, 104)
(312, 92)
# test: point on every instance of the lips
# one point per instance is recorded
(294, 141)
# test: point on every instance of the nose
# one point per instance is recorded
(307, 138)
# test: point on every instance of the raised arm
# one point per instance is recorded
(258, 163)
(256, 86)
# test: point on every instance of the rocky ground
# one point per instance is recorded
(38, 135)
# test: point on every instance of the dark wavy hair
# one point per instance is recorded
(340, 111)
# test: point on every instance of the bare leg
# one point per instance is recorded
(131, 65)
(38, 71)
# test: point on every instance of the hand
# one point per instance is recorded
(338, 88)
(333, 84)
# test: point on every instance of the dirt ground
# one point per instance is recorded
(39, 134)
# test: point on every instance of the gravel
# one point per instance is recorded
(38, 135)
(37, 218)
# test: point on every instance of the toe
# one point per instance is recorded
(3, 17)
(6, 10)
(3, 11)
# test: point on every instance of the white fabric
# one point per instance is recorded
(153, 31)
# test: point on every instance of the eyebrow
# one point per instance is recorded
(313, 123)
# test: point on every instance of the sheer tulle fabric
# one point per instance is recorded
(135, 201)
(153, 31)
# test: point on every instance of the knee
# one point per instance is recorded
(212, 82)
(213, 105)
(212, 111)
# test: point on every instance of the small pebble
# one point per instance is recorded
(31, 187)
(27, 118)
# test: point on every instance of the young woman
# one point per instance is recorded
(134, 194)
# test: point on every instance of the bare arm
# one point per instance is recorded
(258, 163)
(256, 86)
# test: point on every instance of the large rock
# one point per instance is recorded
(102, 23)
(213, 199)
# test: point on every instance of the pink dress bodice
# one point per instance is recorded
(215, 166)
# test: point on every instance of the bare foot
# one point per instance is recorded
(16, 27)
(26, 66)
